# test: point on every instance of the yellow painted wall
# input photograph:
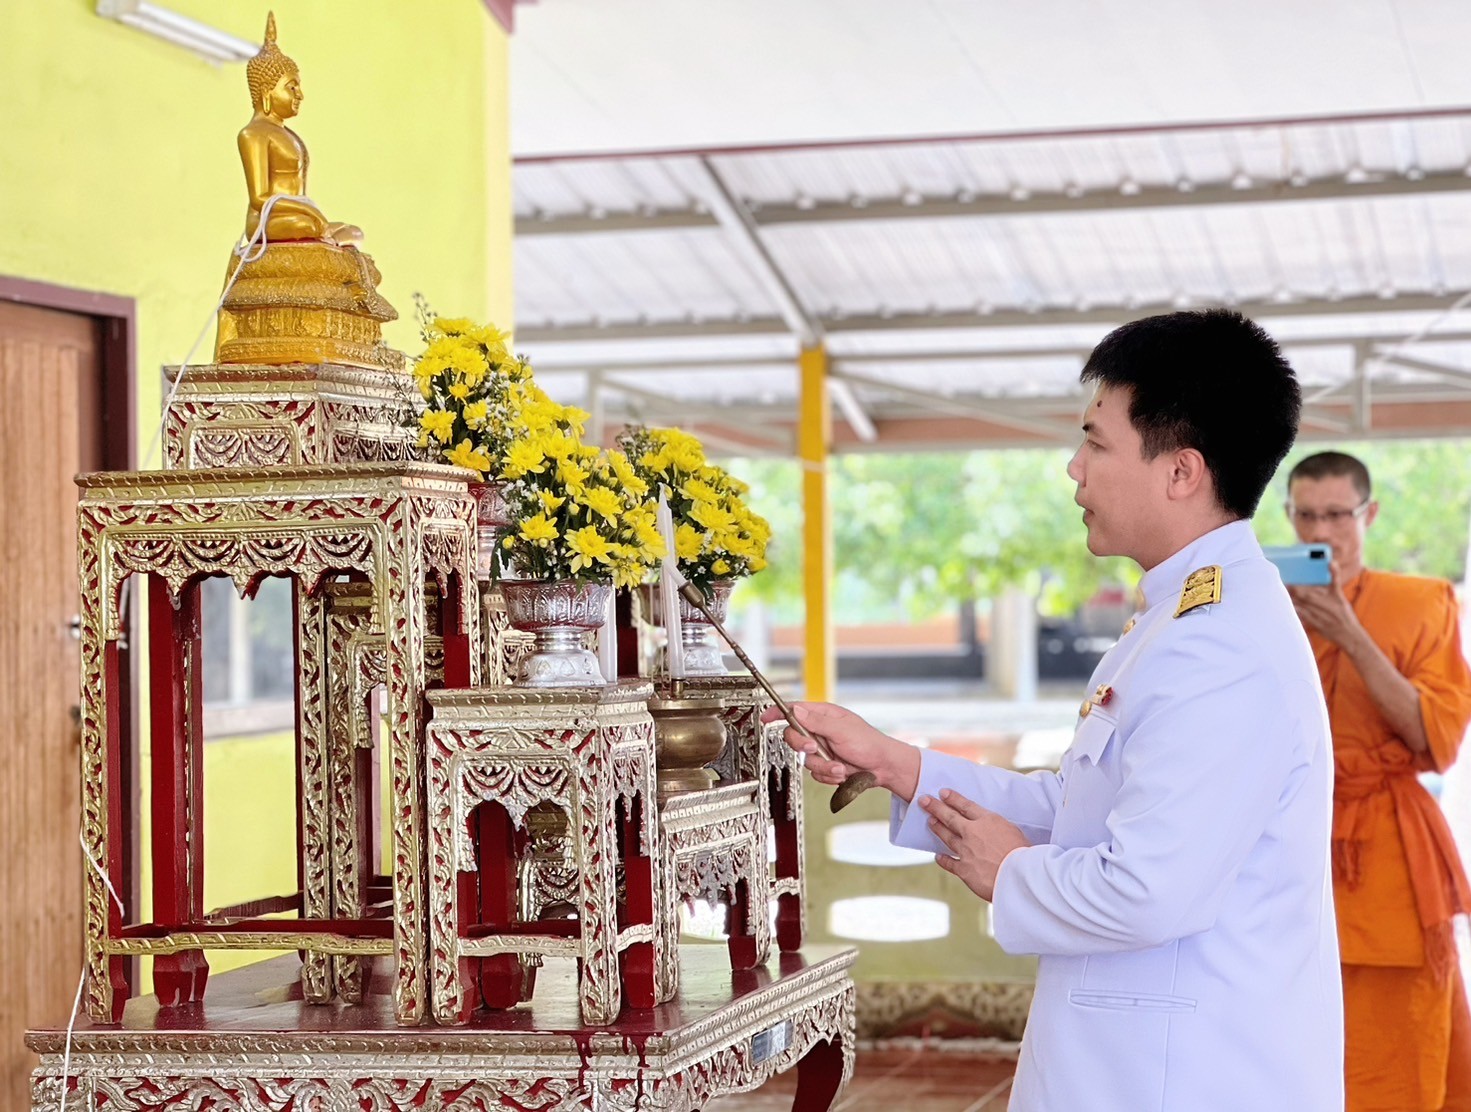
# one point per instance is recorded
(119, 174)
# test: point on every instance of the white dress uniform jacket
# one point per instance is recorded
(1177, 889)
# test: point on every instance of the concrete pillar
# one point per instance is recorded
(1011, 660)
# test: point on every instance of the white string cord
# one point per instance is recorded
(66, 1055)
(248, 252)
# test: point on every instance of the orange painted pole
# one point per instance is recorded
(814, 443)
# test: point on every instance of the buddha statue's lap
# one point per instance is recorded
(310, 296)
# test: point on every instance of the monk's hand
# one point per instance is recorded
(1326, 610)
(978, 839)
(852, 743)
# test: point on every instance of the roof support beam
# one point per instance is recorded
(612, 359)
(683, 408)
(963, 407)
(1044, 317)
(736, 220)
(1431, 367)
(993, 205)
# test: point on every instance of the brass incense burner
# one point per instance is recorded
(688, 735)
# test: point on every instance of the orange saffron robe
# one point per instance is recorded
(1397, 877)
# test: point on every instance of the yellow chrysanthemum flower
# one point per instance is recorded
(459, 390)
(538, 531)
(453, 326)
(602, 501)
(575, 418)
(626, 475)
(464, 454)
(697, 490)
(588, 547)
(688, 541)
(538, 415)
(477, 413)
(439, 424)
(523, 458)
(712, 516)
(550, 502)
(558, 446)
(572, 476)
(721, 567)
(469, 365)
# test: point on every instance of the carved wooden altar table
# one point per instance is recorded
(493, 756)
(253, 1045)
(715, 850)
(755, 751)
(392, 525)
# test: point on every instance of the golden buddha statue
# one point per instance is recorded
(307, 294)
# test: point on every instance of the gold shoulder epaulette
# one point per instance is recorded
(1202, 587)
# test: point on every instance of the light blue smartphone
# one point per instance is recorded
(1302, 565)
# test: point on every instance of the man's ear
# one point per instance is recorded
(1187, 474)
(1370, 514)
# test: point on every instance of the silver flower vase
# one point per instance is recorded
(704, 652)
(491, 516)
(559, 614)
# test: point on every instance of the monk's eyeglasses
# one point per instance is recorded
(1329, 517)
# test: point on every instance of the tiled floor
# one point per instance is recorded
(900, 1077)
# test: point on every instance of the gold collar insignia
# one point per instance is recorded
(1202, 587)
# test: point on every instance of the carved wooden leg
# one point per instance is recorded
(819, 1077)
(404, 663)
(600, 991)
(313, 765)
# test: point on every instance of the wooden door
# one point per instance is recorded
(50, 429)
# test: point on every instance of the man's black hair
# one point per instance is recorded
(1333, 465)
(1209, 380)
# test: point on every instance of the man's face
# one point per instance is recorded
(1332, 511)
(1121, 492)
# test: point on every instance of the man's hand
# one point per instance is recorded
(1327, 611)
(854, 745)
(978, 840)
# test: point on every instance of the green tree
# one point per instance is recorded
(921, 531)
(916, 532)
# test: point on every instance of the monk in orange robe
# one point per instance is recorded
(1399, 699)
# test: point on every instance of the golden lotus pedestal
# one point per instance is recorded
(306, 302)
(254, 1046)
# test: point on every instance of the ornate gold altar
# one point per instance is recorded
(531, 906)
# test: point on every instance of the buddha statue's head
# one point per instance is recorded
(274, 80)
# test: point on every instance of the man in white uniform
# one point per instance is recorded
(1173, 875)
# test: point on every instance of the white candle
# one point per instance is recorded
(668, 592)
(608, 639)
